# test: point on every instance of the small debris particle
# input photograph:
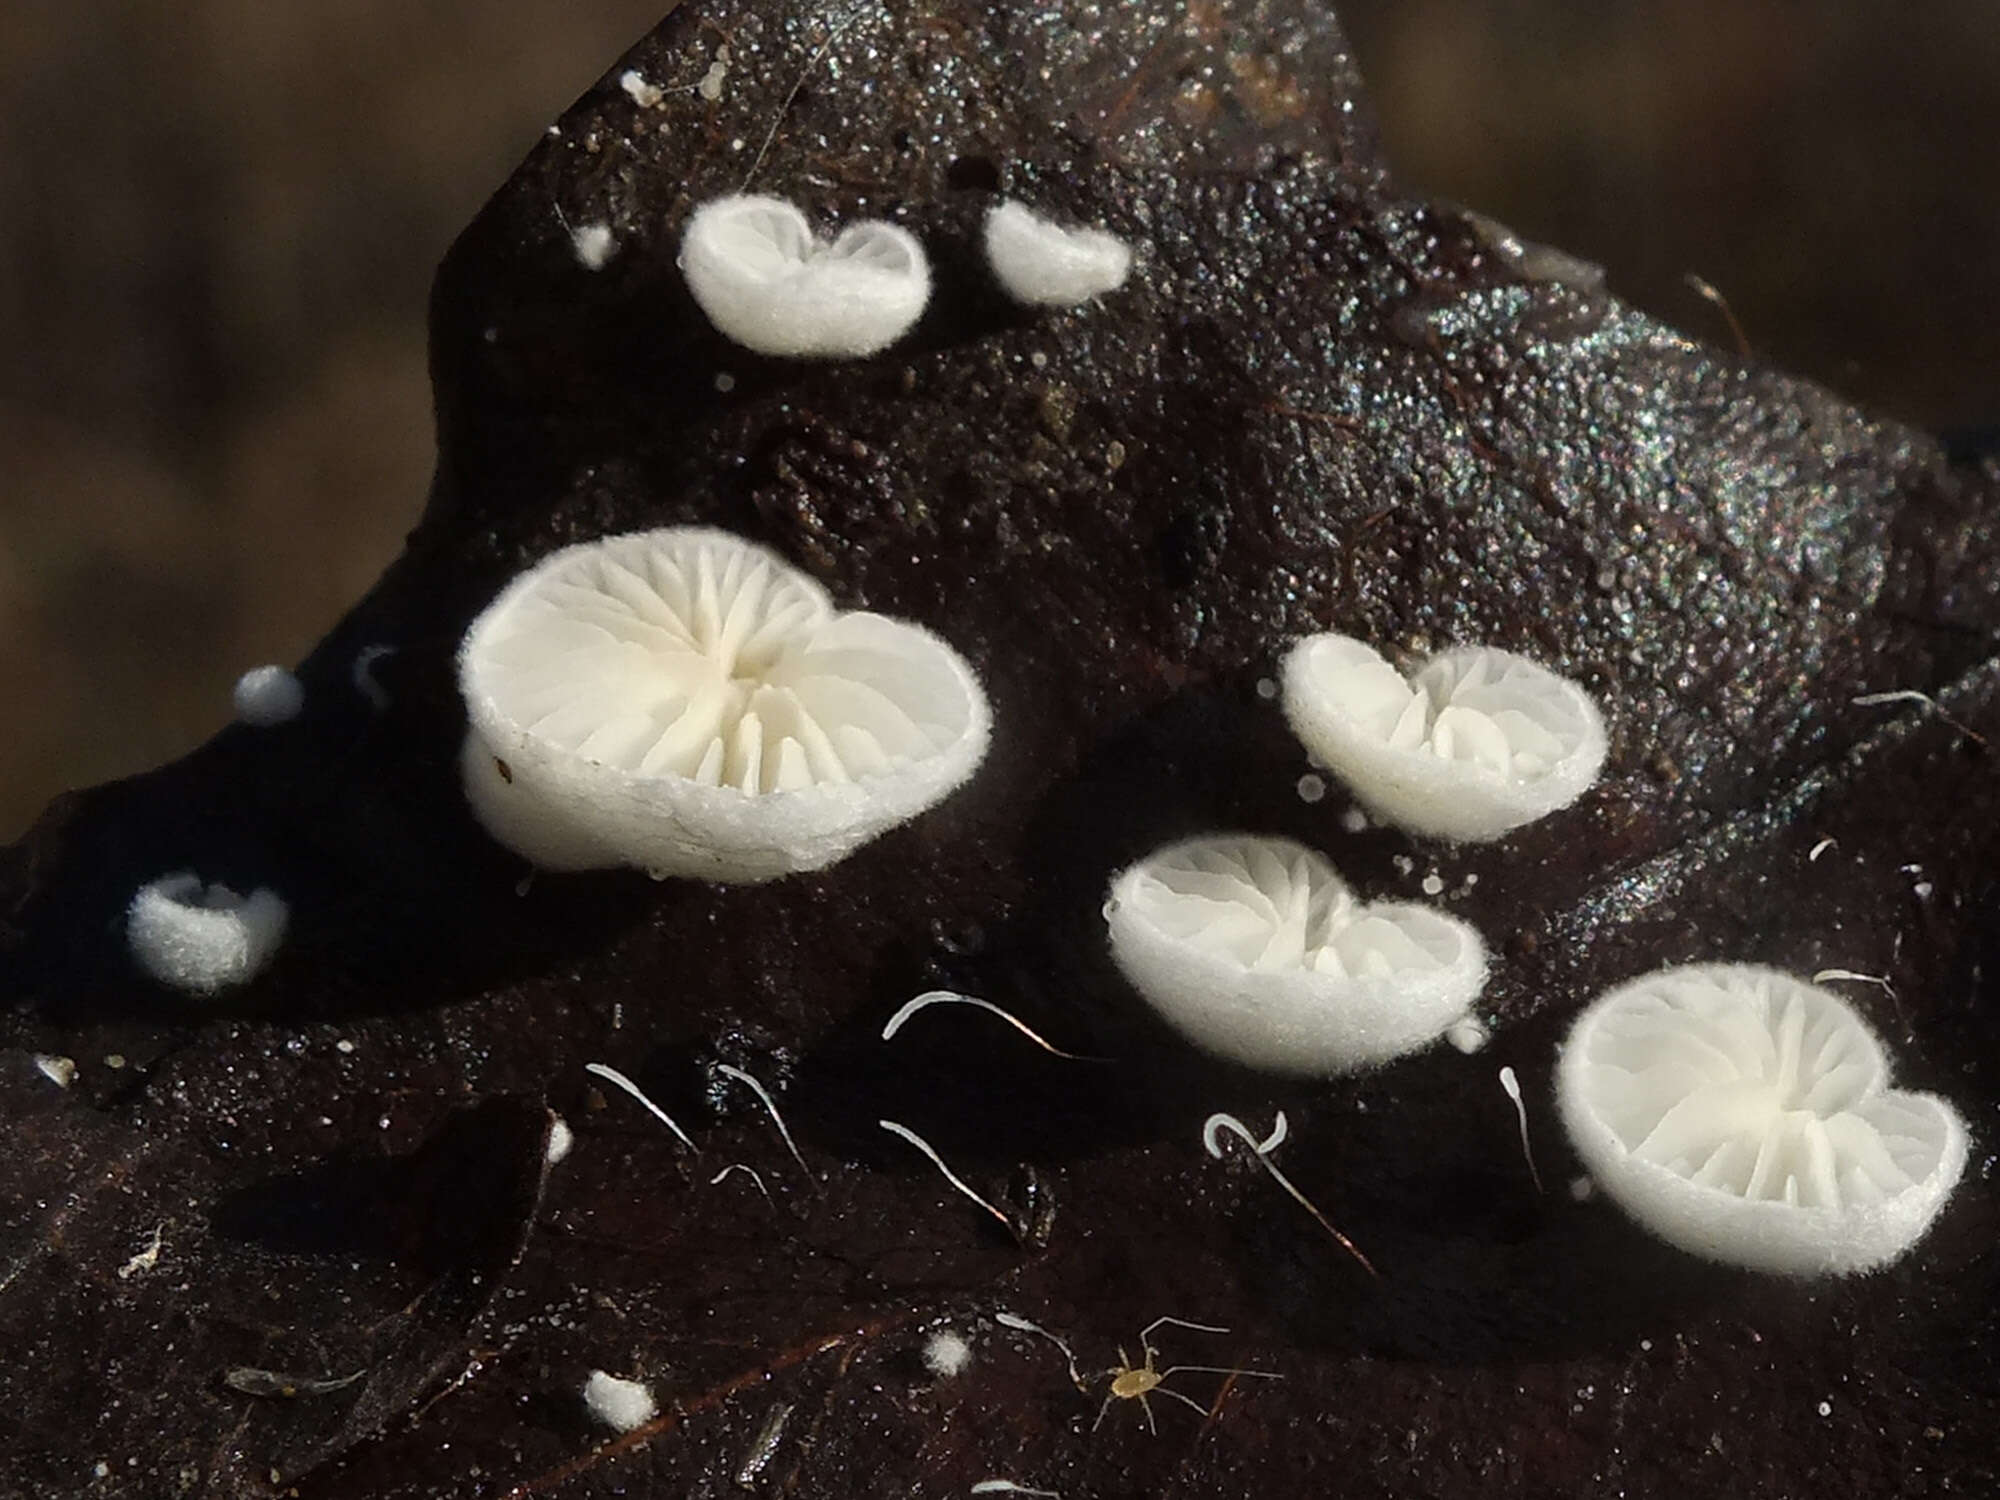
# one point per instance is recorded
(1433, 884)
(61, 1071)
(114, 1060)
(1922, 890)
(1812, 857)
(250, 1381)
(725, 382)
(1405, 866)
(710, 87)
(946, 1354)
(362, 674)
(1056, 410)
(594, 244)
(1008, 1487)
(618, 1404)
(1266, 689)
(1114, 456)
(1826, 1408)
(147, 1258)
(1311, 788)
(1468, 1036)
(1354, 820)
(763, 1447)
(343, 1045)
(639, 89)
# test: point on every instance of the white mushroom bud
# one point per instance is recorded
(764, 280)
(1042, 264)
(1745, 1116)
(265, 697)
(1253, 949)
(203, 938)
(618, 1403)
(685, 702)
(1477, 743)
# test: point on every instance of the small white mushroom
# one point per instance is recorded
(267, 696)
(684, 702)
(619, 1404)
(561, 1140)
(1254, 950)
(203, 939)
(594, 245)
(1040, 263)
(765, 281)
(1745, 1116)
(1479, 742)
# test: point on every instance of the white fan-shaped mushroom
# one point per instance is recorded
(1253, 949)
(1477, 743)
(756, 269)
(203, 939)
(1745, 1116)
(685, 702)
(1042, 264)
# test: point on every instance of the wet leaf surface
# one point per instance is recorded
(1317, 404)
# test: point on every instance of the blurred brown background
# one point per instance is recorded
(218, 220)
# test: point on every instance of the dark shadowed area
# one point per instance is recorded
(218, 220)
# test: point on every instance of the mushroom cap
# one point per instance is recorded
(1253, 949)
(1474, 745)
(765, 282)
(203, 939)
(686, 702)
(1745, 1116)
(1040, 263)
(267, 696)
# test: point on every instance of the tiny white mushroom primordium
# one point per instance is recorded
(265, 697)
(1746, 1116)
(768, 283)
(618, 1403)
(685, 702)
(1477, 743)
(203, 939)
(1253, 949)
(1042, 264)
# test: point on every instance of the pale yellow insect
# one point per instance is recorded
(1131, 1382)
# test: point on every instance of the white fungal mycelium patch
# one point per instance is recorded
(767, 282)
(203, 938)
(1042, 264)
(1746, 1117)
(946, 1353)
(685, 702)
(267, 696)
(618, 1404)
(1477, 743)
(1254, 950)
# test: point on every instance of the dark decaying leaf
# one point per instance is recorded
(1318, 403)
